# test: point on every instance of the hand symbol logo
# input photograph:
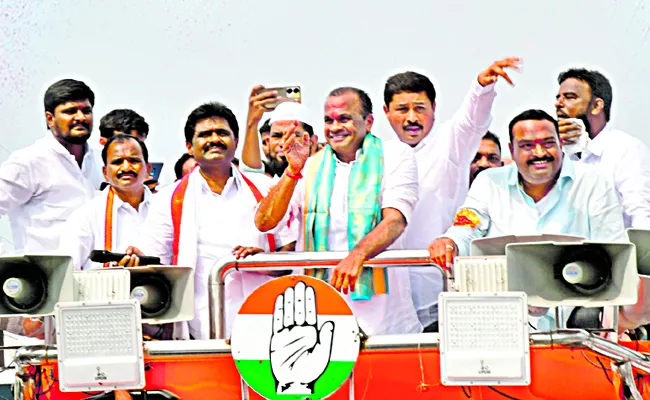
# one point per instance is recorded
(300, 351)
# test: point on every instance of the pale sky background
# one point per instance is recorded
(163, 58)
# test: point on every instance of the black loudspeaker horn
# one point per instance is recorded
(166, 293)
(32, 285)
(588, 274)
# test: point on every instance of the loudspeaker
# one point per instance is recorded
(496, 245)
(641, 239)
(32, 285)
(166, 294)
(589, 274)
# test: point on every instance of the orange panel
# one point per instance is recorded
(558, 373)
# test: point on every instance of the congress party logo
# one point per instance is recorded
(295, 337)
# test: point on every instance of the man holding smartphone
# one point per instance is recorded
(587, 96)
(261, 101)
(113, 220)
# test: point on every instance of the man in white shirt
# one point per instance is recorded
(42, 184)
(541, 192)
(113, 220)
(622, 158)
(357, 196)
(443, 154)
(209, 214)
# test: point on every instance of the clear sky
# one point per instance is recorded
(164, 57)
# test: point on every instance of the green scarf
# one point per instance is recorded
(364, 210)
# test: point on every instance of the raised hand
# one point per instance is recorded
(300, 351)
(257, 103)
(570, 130)
(296, 149)
(494, 71)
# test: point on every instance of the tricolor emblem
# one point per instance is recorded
(295, 337)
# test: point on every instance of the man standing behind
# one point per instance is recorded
(624, 159)
(42, 184)
(209, 214)
(276, 160)
(487, 156)
(357, 196)
(113, 220)
(122, 121)
(443, 157)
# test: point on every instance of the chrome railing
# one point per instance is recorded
(292, 260)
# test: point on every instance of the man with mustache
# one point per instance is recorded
(42, 184)
(113, 220)
(208, 214)
(487, 156)
(443, 154)
(541, 192)
(357, 196)
(622, 158)
(276, 161)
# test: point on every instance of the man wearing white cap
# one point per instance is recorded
(280, 121)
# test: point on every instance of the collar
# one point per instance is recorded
(233, 182)
(424, 142)
(567, 173)
(58, 148)
(118, 203)
(598, 144)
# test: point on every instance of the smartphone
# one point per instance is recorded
(154, 175)
(103, 256)
(286, 93)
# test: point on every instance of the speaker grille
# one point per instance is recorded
(480, 274)
(102, 285)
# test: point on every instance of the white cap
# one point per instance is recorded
(290, 111)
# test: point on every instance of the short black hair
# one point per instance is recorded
(67, 90)
(266, 127)
(411, 82)
(123, 120)
(210, 110)
(366, 104)
(121, 138)
(599, 85)
(491, 136)
(178, 167)
(533, 115)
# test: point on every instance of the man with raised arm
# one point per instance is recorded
(357, 196)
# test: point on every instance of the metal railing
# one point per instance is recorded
(293, 260)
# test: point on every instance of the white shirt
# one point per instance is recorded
(86, 228)
(393, 312)
(40, 186)
(582, 203)
(223, 221)
(443, 158)
(625, 160)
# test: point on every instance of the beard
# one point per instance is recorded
(76, 139)
(585, 120)
(276, 166)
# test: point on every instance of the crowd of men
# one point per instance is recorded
(438, 185)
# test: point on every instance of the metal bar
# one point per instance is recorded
(625, 371)
(244, 389)
(294, 260)
(35, 355)
(351, 393)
